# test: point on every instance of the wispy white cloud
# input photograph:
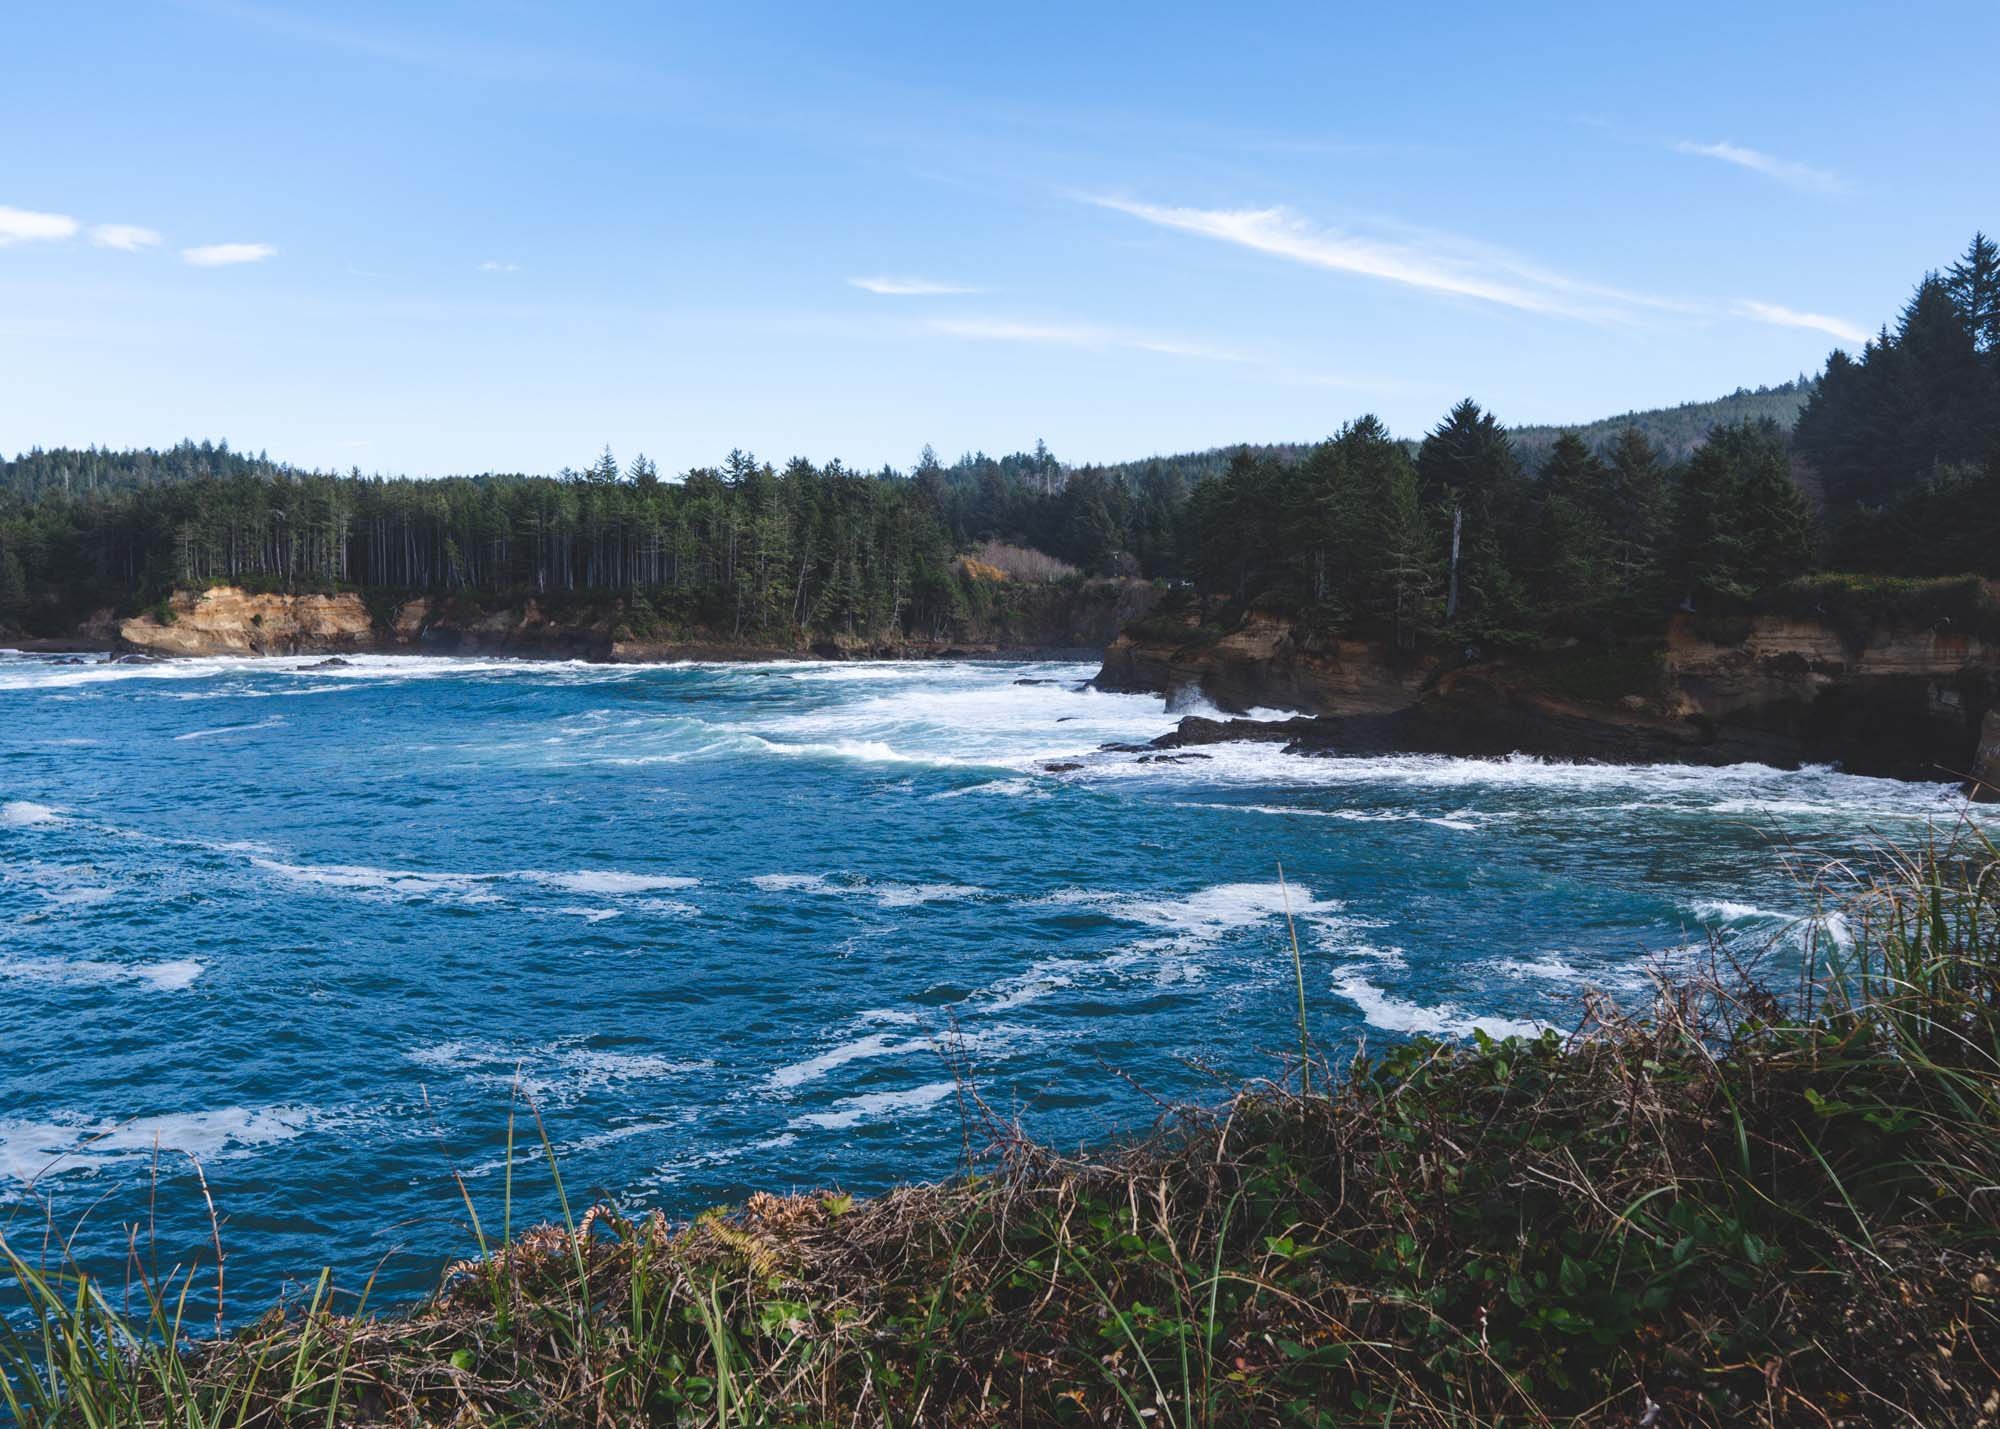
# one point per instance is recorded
(910, 287)
(1785, 171)
(224, 255)
(1094, 337)
(1084, 335)
(20, 225)
(1438, 265)
(125, 237)
(494, 265)
(1791, 317)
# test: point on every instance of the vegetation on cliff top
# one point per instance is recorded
(1734, 1210)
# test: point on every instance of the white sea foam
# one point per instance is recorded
(385, 882)
(1723, 910)
(1009, 788)
(22, 814)
(887, 893)
(865, 751)
(875, 1044)
(589, 915)
(851, 1111)
(1392, 1014)
(1547, 968)
(792, 883)
(1464, 820)
(1750, 926)
(171, 976)
(1816, 792)
(472, 887)
(32, 1149)
(272, 723)
(557, 1071)
(1207, 914)
(1183, 925)
(671, 907)
(909, 895)
(608, 882)
(80, 897)
(996, 1041)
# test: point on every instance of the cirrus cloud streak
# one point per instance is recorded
(1780, 316)
(227, 255)
(889, 287)
(1785, 171)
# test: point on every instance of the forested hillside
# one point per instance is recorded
(1675, 432)
(1487, 532)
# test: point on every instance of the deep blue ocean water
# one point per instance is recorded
(732, 927)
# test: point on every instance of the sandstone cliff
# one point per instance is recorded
(227, 621)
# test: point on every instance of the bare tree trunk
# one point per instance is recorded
(1451, 599)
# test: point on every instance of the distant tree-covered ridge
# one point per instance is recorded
(1477, 531)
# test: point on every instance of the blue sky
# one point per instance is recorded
(463, 237)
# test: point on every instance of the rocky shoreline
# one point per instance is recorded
(1919, 703)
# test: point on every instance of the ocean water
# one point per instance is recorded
(729, 927)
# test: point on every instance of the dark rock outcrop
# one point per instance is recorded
(1775, 689)
(1984, 786)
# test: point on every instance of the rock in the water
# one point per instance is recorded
(1199, 729)
(333, 662)
(1061, 766)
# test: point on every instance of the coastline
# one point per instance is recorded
(1889, 692)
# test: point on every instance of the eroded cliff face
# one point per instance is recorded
(1774, 689)
(224, 620)
(1891, 699)
(1268, 661)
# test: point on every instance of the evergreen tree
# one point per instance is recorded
(1770, 524)
(1470, 478)
(13, 587)
(1974, 285)
(1743, 525)
(1633, 508)
(1572, 558)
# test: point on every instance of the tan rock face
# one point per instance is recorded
(1782, 659)
(226, 621)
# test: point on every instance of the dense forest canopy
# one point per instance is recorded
(1478, 530)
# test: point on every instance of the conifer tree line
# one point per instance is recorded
(1894, 466)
